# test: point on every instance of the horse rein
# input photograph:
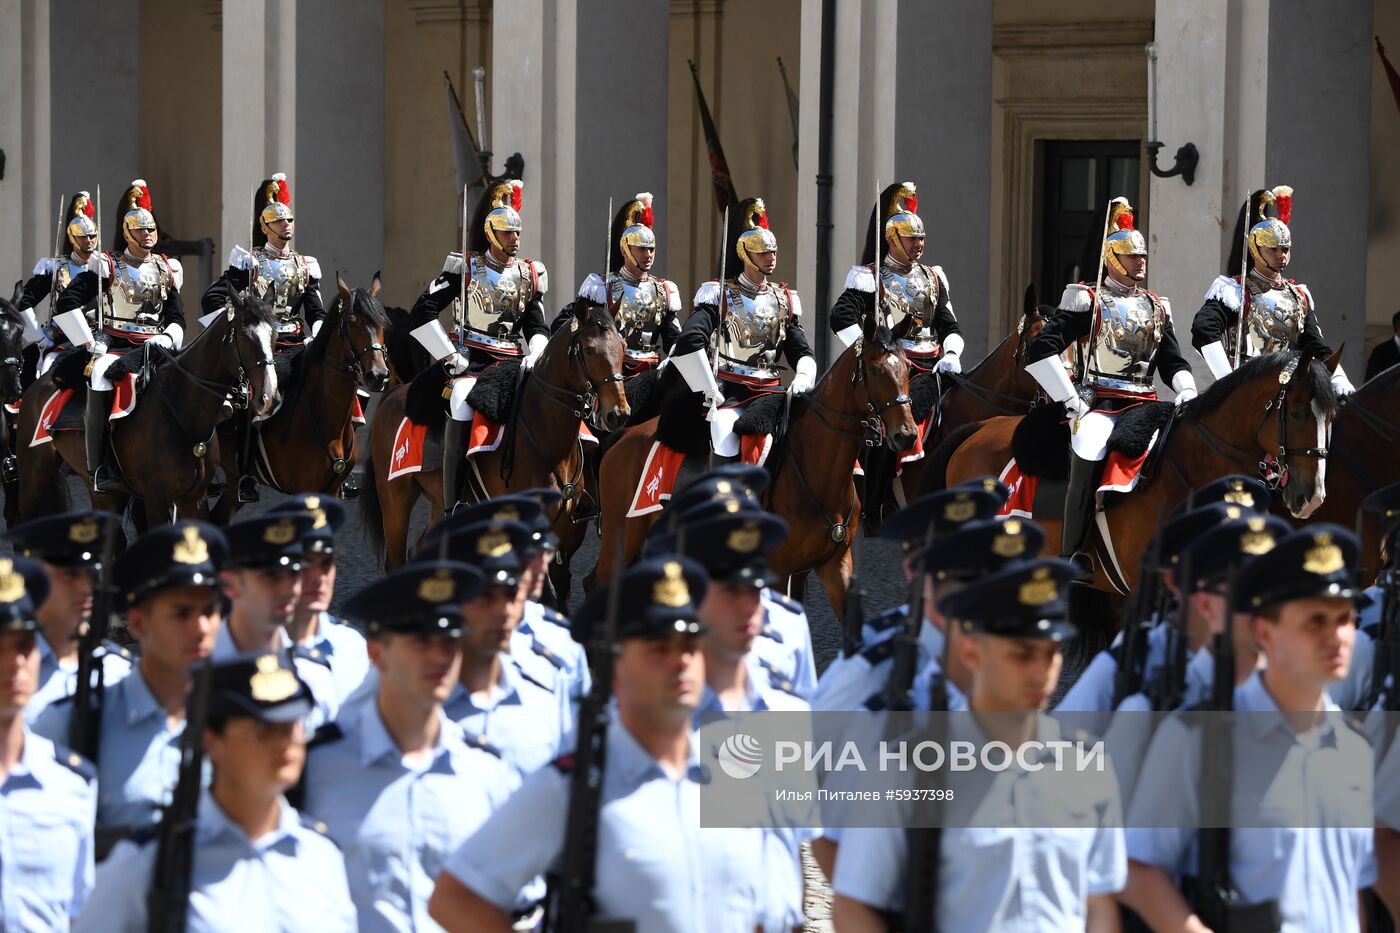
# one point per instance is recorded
(354, 370)
(583, 405)
(873, 422)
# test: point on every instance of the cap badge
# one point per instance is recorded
(1240, 497)
(723, 487)
(1039, 589)
(281, 533)
(745, 540)
(272, 683)
(670, 590)
(11, 583)
(507, 513)
(732, 505)
(439, 588)
(313, 502)
(1324, 557)
(493, 544)
(960, 510)
(1256, 540)
(84, 532)
(192, 549)
(1009, 543)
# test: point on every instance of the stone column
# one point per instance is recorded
(574, 90)
(25, 137)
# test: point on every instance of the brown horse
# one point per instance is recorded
(1363, 456)
(865, 393)
(11, 388)
(578, 377)
(163, 448)
(996, 386)
(308, 444)
(1275, 406)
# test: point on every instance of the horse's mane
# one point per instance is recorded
(597, 314)
(883, 338)
(363, 306)
(1259, 367)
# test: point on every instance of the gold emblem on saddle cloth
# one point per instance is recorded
(272, 683)
(671, 590)
(1038, 590)
(1324, 557)
(439, 588)
(83, 532)
(11, 583)
(745, 540)
(281, 533)
(192, 549)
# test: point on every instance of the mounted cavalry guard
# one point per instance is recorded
(132, 299)
(293, 278)
(755, 320)
(497, 304)
(913, 297)
(1279, 314)
(643, 305)
(1122, 335)
(53, 274)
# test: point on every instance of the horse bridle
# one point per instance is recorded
(873, 421)
(584, 405)
(355, 370)
(1274, 468)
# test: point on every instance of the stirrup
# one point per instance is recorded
(9, 469)
(1084, 563)
(104, 483)
(248, 489)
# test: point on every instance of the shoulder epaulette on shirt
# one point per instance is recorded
(550, 614)
(543, 650)
(778, 681)
(887, 619)
(330, 732)
(318, 827)
(315, 655)
(520, 669)
(116, 651)
(771, 632)
(75, 763)
(879, 652)
(480, 741)
(787, 602)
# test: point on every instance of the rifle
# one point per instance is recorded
(85, 723)
(571, 907)
(899, 688)
(1213, 895)
(167, 901)
(1139, 621)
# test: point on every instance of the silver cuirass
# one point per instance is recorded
(65, 270)
(639, 307)
(909, 300)
(755, 325)
(137, 296)
(1124, 340)
(1273, 319)
(496, 298)
(286, 278)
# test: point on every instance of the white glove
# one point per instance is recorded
(1340, 383)
(1076, 407)
(805, 377)
(98, 348)
(316, 328)
(949, 363)
(164, 340)
(456, 364)
(537, 345)
(1185, 385)
(666, 361)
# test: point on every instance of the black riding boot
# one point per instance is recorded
(1079, 509)
(454, 436)
(243, 437)
(95, 434)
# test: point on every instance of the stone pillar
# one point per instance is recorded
(25, 137)
(935, 132)
(574, 91)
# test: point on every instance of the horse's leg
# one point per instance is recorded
(797, 585)
(396, 498)
(835, 575)
(222, 454)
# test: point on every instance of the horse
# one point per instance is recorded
(1253, 416)
(577, 378)
(163, 447)
(308, 444)
(864, 397)
(1363, 456)
(11, 388)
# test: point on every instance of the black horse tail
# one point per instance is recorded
(371, 515)
(936, 472)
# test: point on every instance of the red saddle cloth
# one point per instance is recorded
(1120, 474)
(52, 418)
(485, 435)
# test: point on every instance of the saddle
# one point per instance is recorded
(1040, 443)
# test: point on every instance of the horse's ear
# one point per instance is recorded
(19, 291)
(867, 325)
(1030, 304)
(374, 285)
(1335, 359)
(344, 289)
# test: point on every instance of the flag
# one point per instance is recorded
(1390, 72)
(725, 196)
(792, 109)
(464, 151)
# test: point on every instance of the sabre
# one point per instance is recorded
(57, 243)
(461, 321)
(719, 329)
(607, 261)
(879, 243)
(1244, 271)
(101, 320)
(479, 78)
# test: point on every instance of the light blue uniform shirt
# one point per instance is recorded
(1388, 789)
(655, 865)
(57, 681)
(289, 880)
(343, 649)
(550, 638)
(1313, 873)
(397, 823)
(138, 757)
(1093, 691)
(859, 682)
(527, 721)
(315, 670)
(47, 803)
(999, 875)
(785, 642)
